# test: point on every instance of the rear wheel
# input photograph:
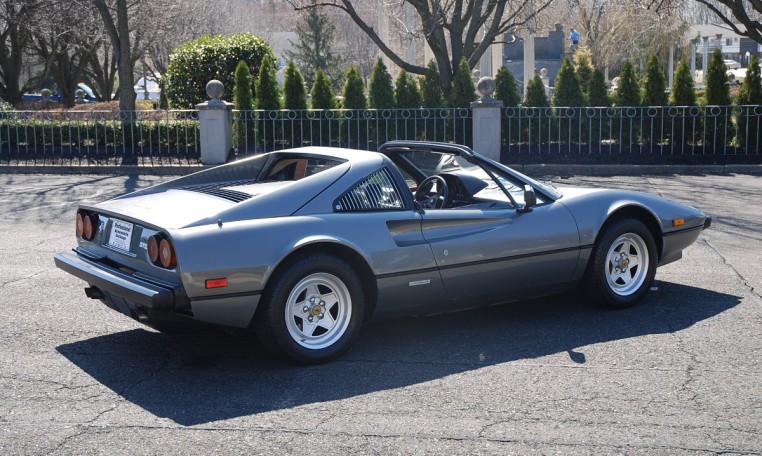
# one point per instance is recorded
(313, 310)
(623, 265)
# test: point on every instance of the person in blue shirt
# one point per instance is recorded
(574, 36)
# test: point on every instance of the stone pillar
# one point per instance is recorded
(528, 61)
(671, 72)
(704, 58)
(486, 121)
(216, 124)
(694, 44)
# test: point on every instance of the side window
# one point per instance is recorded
(377, 192)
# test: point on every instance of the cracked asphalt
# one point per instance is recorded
(679, 374)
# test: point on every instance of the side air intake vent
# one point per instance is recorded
(377, 192)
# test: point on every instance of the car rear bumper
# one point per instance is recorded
(142, 292)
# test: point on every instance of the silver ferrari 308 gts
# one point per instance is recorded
(306, 245)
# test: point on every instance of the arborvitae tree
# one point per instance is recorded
(627, 92)
(407, 96)
(683, 90)
(717, 93)
(536, 95)
(406, 93)
(683, 94)
(242, 95)
(507, 91)
(751, 89)
(268, 96)
(244, 134)
(567, 91)
(354, 90)
(294, 90)
(381, 88)
(598, 93)
(355, 126)
(322, 93)
(322, 98)
(749, 124)
(462, 94)
(535, 129)
(654, 93)
(583, 57)
(598, 96)
(294, 98)
(314, 49)
(463, 89)
(654, 84)
(431, 89)
(506, 88)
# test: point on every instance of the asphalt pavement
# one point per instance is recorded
(679, 374)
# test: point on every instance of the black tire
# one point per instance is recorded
(611, 280)
(312, 311)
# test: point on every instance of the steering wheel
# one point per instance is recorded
(429, 198)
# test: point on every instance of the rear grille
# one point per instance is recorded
(220, 190)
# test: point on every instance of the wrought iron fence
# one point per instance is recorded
(99, 138)
(261, 131)
(646, 131)
(641, 134)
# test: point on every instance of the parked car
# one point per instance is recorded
(89, 95)
(305, 245)
(732, 64)
(147, 88)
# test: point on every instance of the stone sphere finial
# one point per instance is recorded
(215, 89)
(486, 87)
(45, 94)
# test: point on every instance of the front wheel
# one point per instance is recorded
(313, 310)
(623, 265)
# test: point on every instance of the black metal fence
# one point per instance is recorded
(261, 131)
(577, 134)
(651, 133)
(99, 138)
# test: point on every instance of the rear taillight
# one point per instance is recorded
(161, 252)
(167, 254)
(153, 249)
(87, 225)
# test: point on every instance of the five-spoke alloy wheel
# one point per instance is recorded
(622, 265)
(312, 310)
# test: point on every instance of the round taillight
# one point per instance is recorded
(167, 254)
(153, 249)
(90, 226)
(80, 224)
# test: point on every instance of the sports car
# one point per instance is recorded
(304, 246)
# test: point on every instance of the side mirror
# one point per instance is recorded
(530, 199)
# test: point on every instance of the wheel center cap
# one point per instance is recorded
(316, 310)
(625, 263)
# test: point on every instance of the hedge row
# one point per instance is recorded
(173, 133)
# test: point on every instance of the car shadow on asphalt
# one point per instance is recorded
(215, 375)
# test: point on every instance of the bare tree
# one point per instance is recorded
(744, 17)
(117, 22)
(16, 25)
(453, 29)
(64, 40)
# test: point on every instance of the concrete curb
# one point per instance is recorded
(531, 170)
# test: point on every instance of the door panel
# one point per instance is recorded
(502, 253)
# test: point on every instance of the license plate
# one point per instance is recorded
(121, 235)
